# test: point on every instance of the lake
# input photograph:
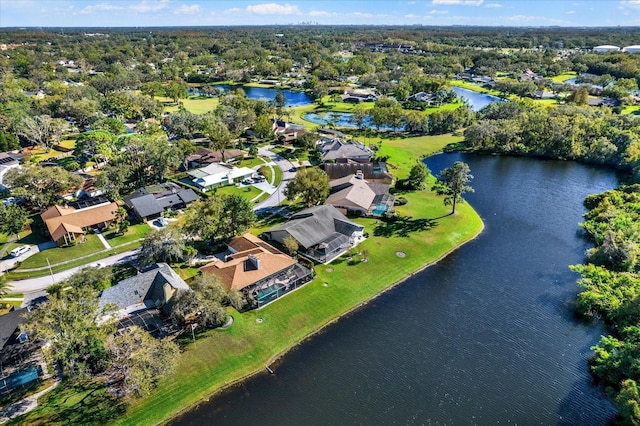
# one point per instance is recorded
(292, 97)
(476, 100)
(485, 336)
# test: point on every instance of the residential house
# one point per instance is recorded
(374, 171)
(8, 161)
(150, 202)
(287, 132)
(354, 195)
(340, 149)
(322, 233)
(421, 97)
(529, 75)
(66, 223)
(219, 174)
(363, 95)
(205, 156)
(258, 269)
(10, 323)
(21, 360)
(142, 299)
(598, 101)
(329, 135)
(352, 99)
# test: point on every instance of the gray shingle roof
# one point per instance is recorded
(314, 225)
(145, 290)
(374, 170)
(9, 323)
(188, 196)
(146, 205)
(340, 149)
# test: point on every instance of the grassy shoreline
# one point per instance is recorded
(250, 346)
(316, 331)
(424, 232)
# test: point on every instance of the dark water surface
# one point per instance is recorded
(486, 336)
(292, 97)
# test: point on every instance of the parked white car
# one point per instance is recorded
(19, 251)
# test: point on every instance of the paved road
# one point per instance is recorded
(35, 287)
(278, 195)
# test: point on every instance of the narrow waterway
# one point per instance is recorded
(486, 336)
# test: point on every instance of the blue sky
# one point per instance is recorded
(111, 13)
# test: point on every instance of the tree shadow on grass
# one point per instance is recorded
(403, 226)
(78, 403)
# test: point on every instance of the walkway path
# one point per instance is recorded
(102, 239)
(25, 405)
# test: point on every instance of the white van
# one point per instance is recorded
(19, 250)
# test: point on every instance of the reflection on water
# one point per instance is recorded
(485, 336)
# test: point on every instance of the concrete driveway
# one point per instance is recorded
(10, 262)
(277, 196)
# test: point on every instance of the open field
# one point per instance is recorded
(194, 104)
(564, 77)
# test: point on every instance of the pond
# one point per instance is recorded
(476, 100)
(340, 119)
(485, 336)
(292, 97)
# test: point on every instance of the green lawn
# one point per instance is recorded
(250, 162)
(194, 104)
(134, 232)
(403, 152)
(60, 254)
(474, 87)
(631, 109)
(21, 275)
(222, 357)
(246, 191)
(424, 232)
(76, 404)
(68, 143)
(563, 77)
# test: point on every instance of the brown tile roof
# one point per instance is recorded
(61, 220)
(239, 271)
(208, 156)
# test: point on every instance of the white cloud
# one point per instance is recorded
(571, 12)
(102, 7)
(411, 16)
(459, 2)
(493, 5)
(322, 13)
(187, 10)
(232, 10)
(273, 9)
(149, 6)
(438, 12)
(362, 15)
(631, 4)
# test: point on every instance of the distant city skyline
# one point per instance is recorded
(156, 13)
